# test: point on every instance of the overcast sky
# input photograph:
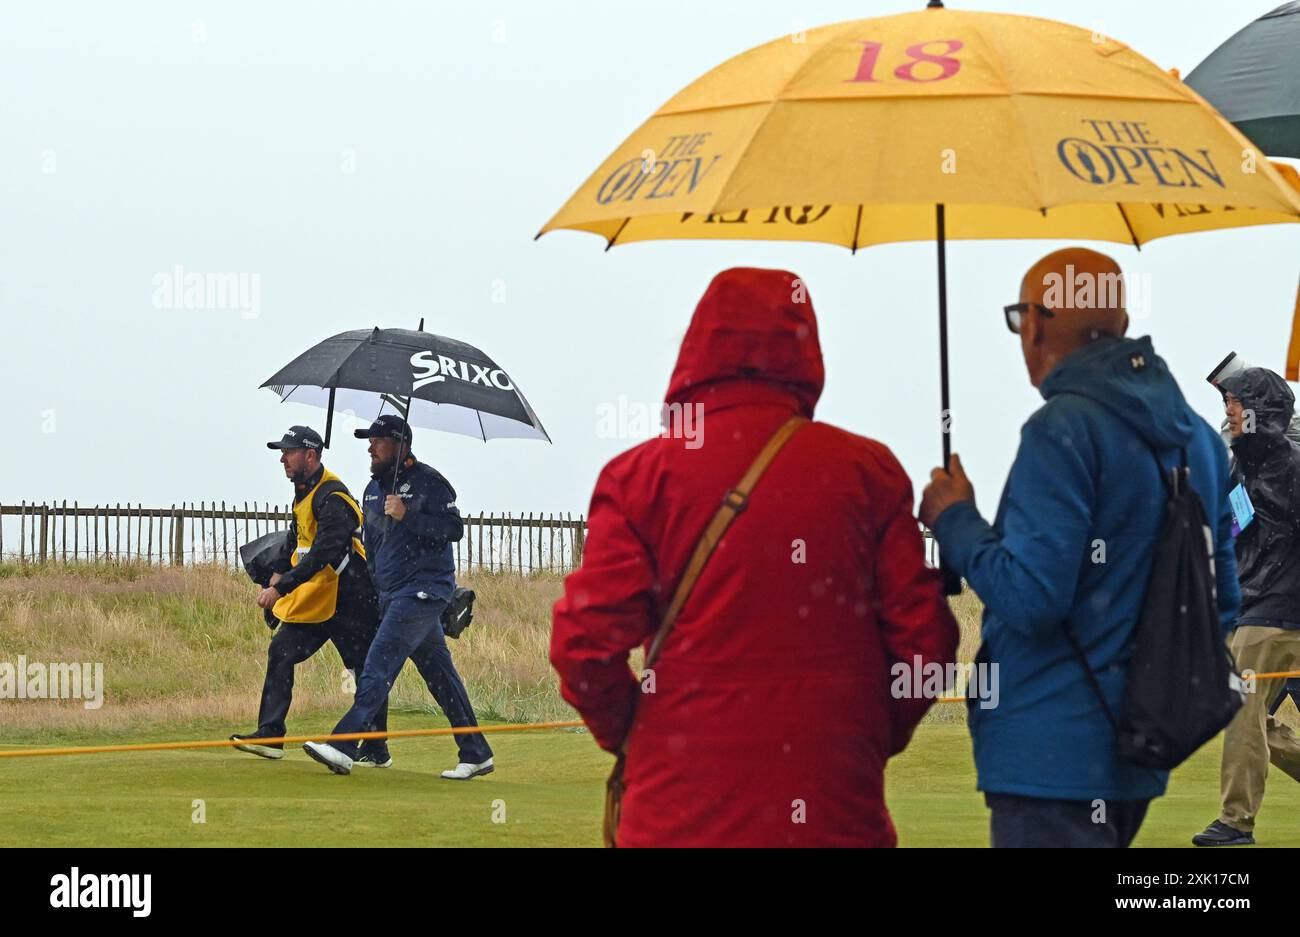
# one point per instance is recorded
(376, 163)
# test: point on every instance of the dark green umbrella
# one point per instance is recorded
(1253, 79)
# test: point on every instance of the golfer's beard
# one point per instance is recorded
(380, 469)
(298, 478)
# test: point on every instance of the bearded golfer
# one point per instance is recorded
(411, 521)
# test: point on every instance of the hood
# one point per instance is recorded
(1127, 376)
(1267, 394)
(752, 325)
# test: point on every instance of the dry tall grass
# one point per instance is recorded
(180, 645)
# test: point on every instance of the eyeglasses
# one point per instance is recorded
(1016, 312)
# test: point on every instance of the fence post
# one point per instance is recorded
(178, 535)
(45, 528)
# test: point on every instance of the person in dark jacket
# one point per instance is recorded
(1230, 365)
(1074, 541)
(320, 592)
(1266, 507)
(411, 521)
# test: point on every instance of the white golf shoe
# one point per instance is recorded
(329, 756)
(464, 771)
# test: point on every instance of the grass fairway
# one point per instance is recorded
(184, 655)
(549, 784)
(931, 794)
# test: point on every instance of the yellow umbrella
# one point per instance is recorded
(1293, 350)
(852, 134)
(932, 124)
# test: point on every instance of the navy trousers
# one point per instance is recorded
(293, 644)
(1039, 822)
(411, 627)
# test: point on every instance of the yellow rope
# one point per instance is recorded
(229, 743)
(360, 736)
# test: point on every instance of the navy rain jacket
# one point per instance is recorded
(414, 554)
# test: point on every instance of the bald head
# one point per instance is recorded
(1083, 291)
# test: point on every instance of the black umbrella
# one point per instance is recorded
(1253, 79)
(431, 381)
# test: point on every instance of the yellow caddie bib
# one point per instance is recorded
(316, 599)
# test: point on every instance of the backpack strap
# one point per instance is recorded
(733, 505)
(334, 487)
(1175, 481)
(1088, 672)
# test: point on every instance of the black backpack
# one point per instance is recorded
(1182, 688)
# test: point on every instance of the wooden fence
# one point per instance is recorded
(213, 532)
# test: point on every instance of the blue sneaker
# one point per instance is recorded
(1220, 834)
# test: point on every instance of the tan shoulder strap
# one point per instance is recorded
(733, 503)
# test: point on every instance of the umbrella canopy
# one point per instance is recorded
(434, 382)
(851, 134)
(1254, 80)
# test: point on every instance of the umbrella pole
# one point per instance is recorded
(951, 581)
(945, 414)
(401, 457)
(329, 419)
